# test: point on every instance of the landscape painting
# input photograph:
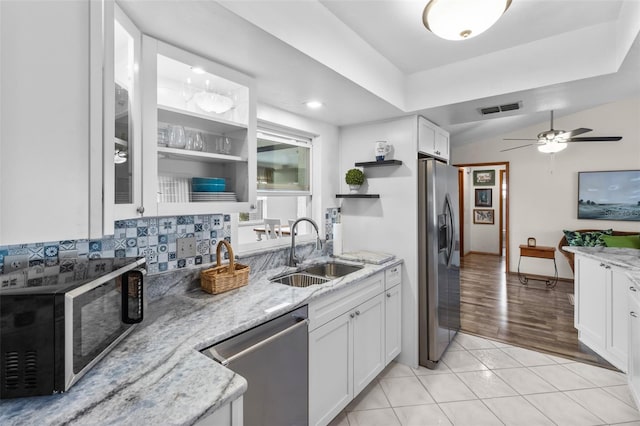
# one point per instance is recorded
(610, 195)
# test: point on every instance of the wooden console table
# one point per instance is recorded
(541, 252)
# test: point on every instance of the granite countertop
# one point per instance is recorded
(157, 375)
(625, 258)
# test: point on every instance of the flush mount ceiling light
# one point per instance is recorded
(462, 19)
(313, 104)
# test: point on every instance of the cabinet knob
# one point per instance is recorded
(607, 267)
(388, 294)
(632, 288)
(140, 209)
(357, 312)
(633, 314)
(352, 315)
(602, 264)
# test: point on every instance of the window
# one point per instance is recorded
(284, 187)
(284, 162)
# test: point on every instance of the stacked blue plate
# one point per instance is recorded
(201, 184)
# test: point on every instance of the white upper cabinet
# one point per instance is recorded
(199, 121)
(44, 130)
(432, 140)
(122, 153)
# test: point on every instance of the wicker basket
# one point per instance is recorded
(223, 278)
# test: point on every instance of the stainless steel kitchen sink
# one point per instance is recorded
(298, 279)
(316, 274)
(331, 270)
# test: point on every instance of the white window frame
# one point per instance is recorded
(293, 137)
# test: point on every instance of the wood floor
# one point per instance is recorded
(497, 306)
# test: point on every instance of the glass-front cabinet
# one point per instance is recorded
(124, 154)
(199, 130)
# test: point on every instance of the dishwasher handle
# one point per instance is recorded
(227, 361)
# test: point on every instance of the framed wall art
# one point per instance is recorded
(609, 195)
(483, 216)
(484, 197)
(484, 177)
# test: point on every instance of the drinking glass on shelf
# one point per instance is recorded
(223, 145)
(176, 137)
(190, 141)
(198, 143)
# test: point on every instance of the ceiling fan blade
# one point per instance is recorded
(511, 139)
(574, 132)
(596, 139)
(518, 147)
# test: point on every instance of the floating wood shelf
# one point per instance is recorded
(357, 195)
(379, 163)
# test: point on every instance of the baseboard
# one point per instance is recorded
(482, 252)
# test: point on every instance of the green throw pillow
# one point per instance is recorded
(627, 241)
(586, 239)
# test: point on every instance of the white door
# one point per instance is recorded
(634, 343)
(368, 342)
(330, 369)
(393, 326)
(618, 327)
(591, 294)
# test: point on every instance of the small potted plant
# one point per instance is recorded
(354, 178)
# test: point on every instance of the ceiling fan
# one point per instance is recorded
(552, 140)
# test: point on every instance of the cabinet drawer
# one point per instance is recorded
(392, 276)
(335, 304)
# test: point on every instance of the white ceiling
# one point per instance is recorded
(369, 60)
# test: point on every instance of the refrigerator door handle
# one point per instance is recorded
(450, 230)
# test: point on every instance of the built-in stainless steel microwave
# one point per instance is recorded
(53, 329)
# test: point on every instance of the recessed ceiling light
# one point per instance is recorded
(197, 70)
(313, 104)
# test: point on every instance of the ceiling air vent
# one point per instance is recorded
(501, 108)
(489, 110)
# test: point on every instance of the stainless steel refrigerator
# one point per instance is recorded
(438, 259)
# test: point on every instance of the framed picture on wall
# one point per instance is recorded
(484, 177)
(484, 197)
(483, 216)
(609, 195)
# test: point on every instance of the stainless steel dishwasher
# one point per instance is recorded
(273, 358)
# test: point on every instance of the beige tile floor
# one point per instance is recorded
(484, 382)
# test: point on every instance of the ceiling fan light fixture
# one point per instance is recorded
(552, 147)
(462, 19)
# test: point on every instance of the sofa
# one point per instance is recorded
(569, 256)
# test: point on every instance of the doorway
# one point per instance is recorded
(484, 209)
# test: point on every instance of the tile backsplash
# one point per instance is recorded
(153, 237)
(331, 216)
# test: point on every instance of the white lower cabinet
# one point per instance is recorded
(330, 369)
(601, 309)
(393, 323)
(227, 415)
(368, 342)
(348, 349)
(634, 341)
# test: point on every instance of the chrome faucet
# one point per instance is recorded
(293, 260)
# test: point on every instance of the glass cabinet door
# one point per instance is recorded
(123, 184)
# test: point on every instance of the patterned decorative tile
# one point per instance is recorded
(167, 225)
(95, 246)
(197, 227)
(67, 245)
(143, 231)
(217, 221)
(120, 243)
(36, 253)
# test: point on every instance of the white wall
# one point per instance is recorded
(388, 224)
(543, 188)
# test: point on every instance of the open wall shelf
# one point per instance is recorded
(379, 163)
(357, 195)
